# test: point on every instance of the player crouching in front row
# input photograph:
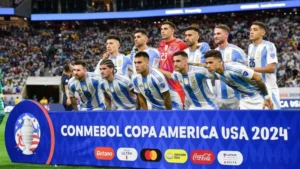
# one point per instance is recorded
(240, 78)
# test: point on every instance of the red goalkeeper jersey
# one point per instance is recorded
(166, 51)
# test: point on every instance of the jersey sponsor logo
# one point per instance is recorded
(151, 155)
(202, 157)
(232, 158)
(176, 156)
(127, 154)
(104, 153)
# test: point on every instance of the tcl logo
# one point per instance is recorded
(152, 155)
(202, 157)
(104, 153)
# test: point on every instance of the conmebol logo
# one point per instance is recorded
(202, 157)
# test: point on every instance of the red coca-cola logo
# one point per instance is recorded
(202, 157)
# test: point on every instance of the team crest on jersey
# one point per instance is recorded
(151, 86)
(186, 81)
(111, 89)
(80, 92)
(197, 60)
(227, 57)
(193, 80)
(27, 133)
(180, 81)
(145, 85)
(118, 91)
(84, 88)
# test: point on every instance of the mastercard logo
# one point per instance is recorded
(151, 155)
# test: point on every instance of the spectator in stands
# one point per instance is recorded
(44, 101)
(17, 100)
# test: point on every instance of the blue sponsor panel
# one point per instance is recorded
(292, 104)
(157, 139)
(168, 12)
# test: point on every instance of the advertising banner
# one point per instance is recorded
(155, 139)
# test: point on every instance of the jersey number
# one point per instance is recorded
(252, 62)
(164, 56)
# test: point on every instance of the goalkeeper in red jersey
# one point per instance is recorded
(167, 47)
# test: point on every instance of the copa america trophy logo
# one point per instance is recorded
(27, 133)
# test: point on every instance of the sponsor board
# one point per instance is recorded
(202, 157)
(176, 156)
(127, 154)
(233, 158)
(151, 155)
(104, 153)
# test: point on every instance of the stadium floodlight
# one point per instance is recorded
(7, 11)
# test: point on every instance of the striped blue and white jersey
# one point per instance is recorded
(152, 86)
(238, 77)
(195, 87)
(91, 97)
(260, 56)
(119, 92)
(231, 53)
(153, 57)
(122, 63)
(197, 56)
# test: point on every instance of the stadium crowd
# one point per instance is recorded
(41, 48)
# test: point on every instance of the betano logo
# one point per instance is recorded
(152, 155)
(104, 153)
(202, 157)
(233, 158)
(127, 154)
(176, 156)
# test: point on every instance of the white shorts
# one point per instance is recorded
(252, 103)
(192, 107)
(228, 104)
(275, 97)
(121, 108)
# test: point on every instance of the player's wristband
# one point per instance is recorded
(267, 97)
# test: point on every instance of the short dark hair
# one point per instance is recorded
(109, 63)
(142, 31)
(81, 62)
(114, 37)
(224, 27)
(142, 54)
(171, 24)
(182, 53)
(67, 67)
(192, 28)
(213, 53)
(261, 25)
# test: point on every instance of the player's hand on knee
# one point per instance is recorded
(268, 103)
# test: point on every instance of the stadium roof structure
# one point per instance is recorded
(167, 12)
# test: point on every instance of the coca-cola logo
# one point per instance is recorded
(202, 157)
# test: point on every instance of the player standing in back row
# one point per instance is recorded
(226, 96)
(167, 47)
(262, 58)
